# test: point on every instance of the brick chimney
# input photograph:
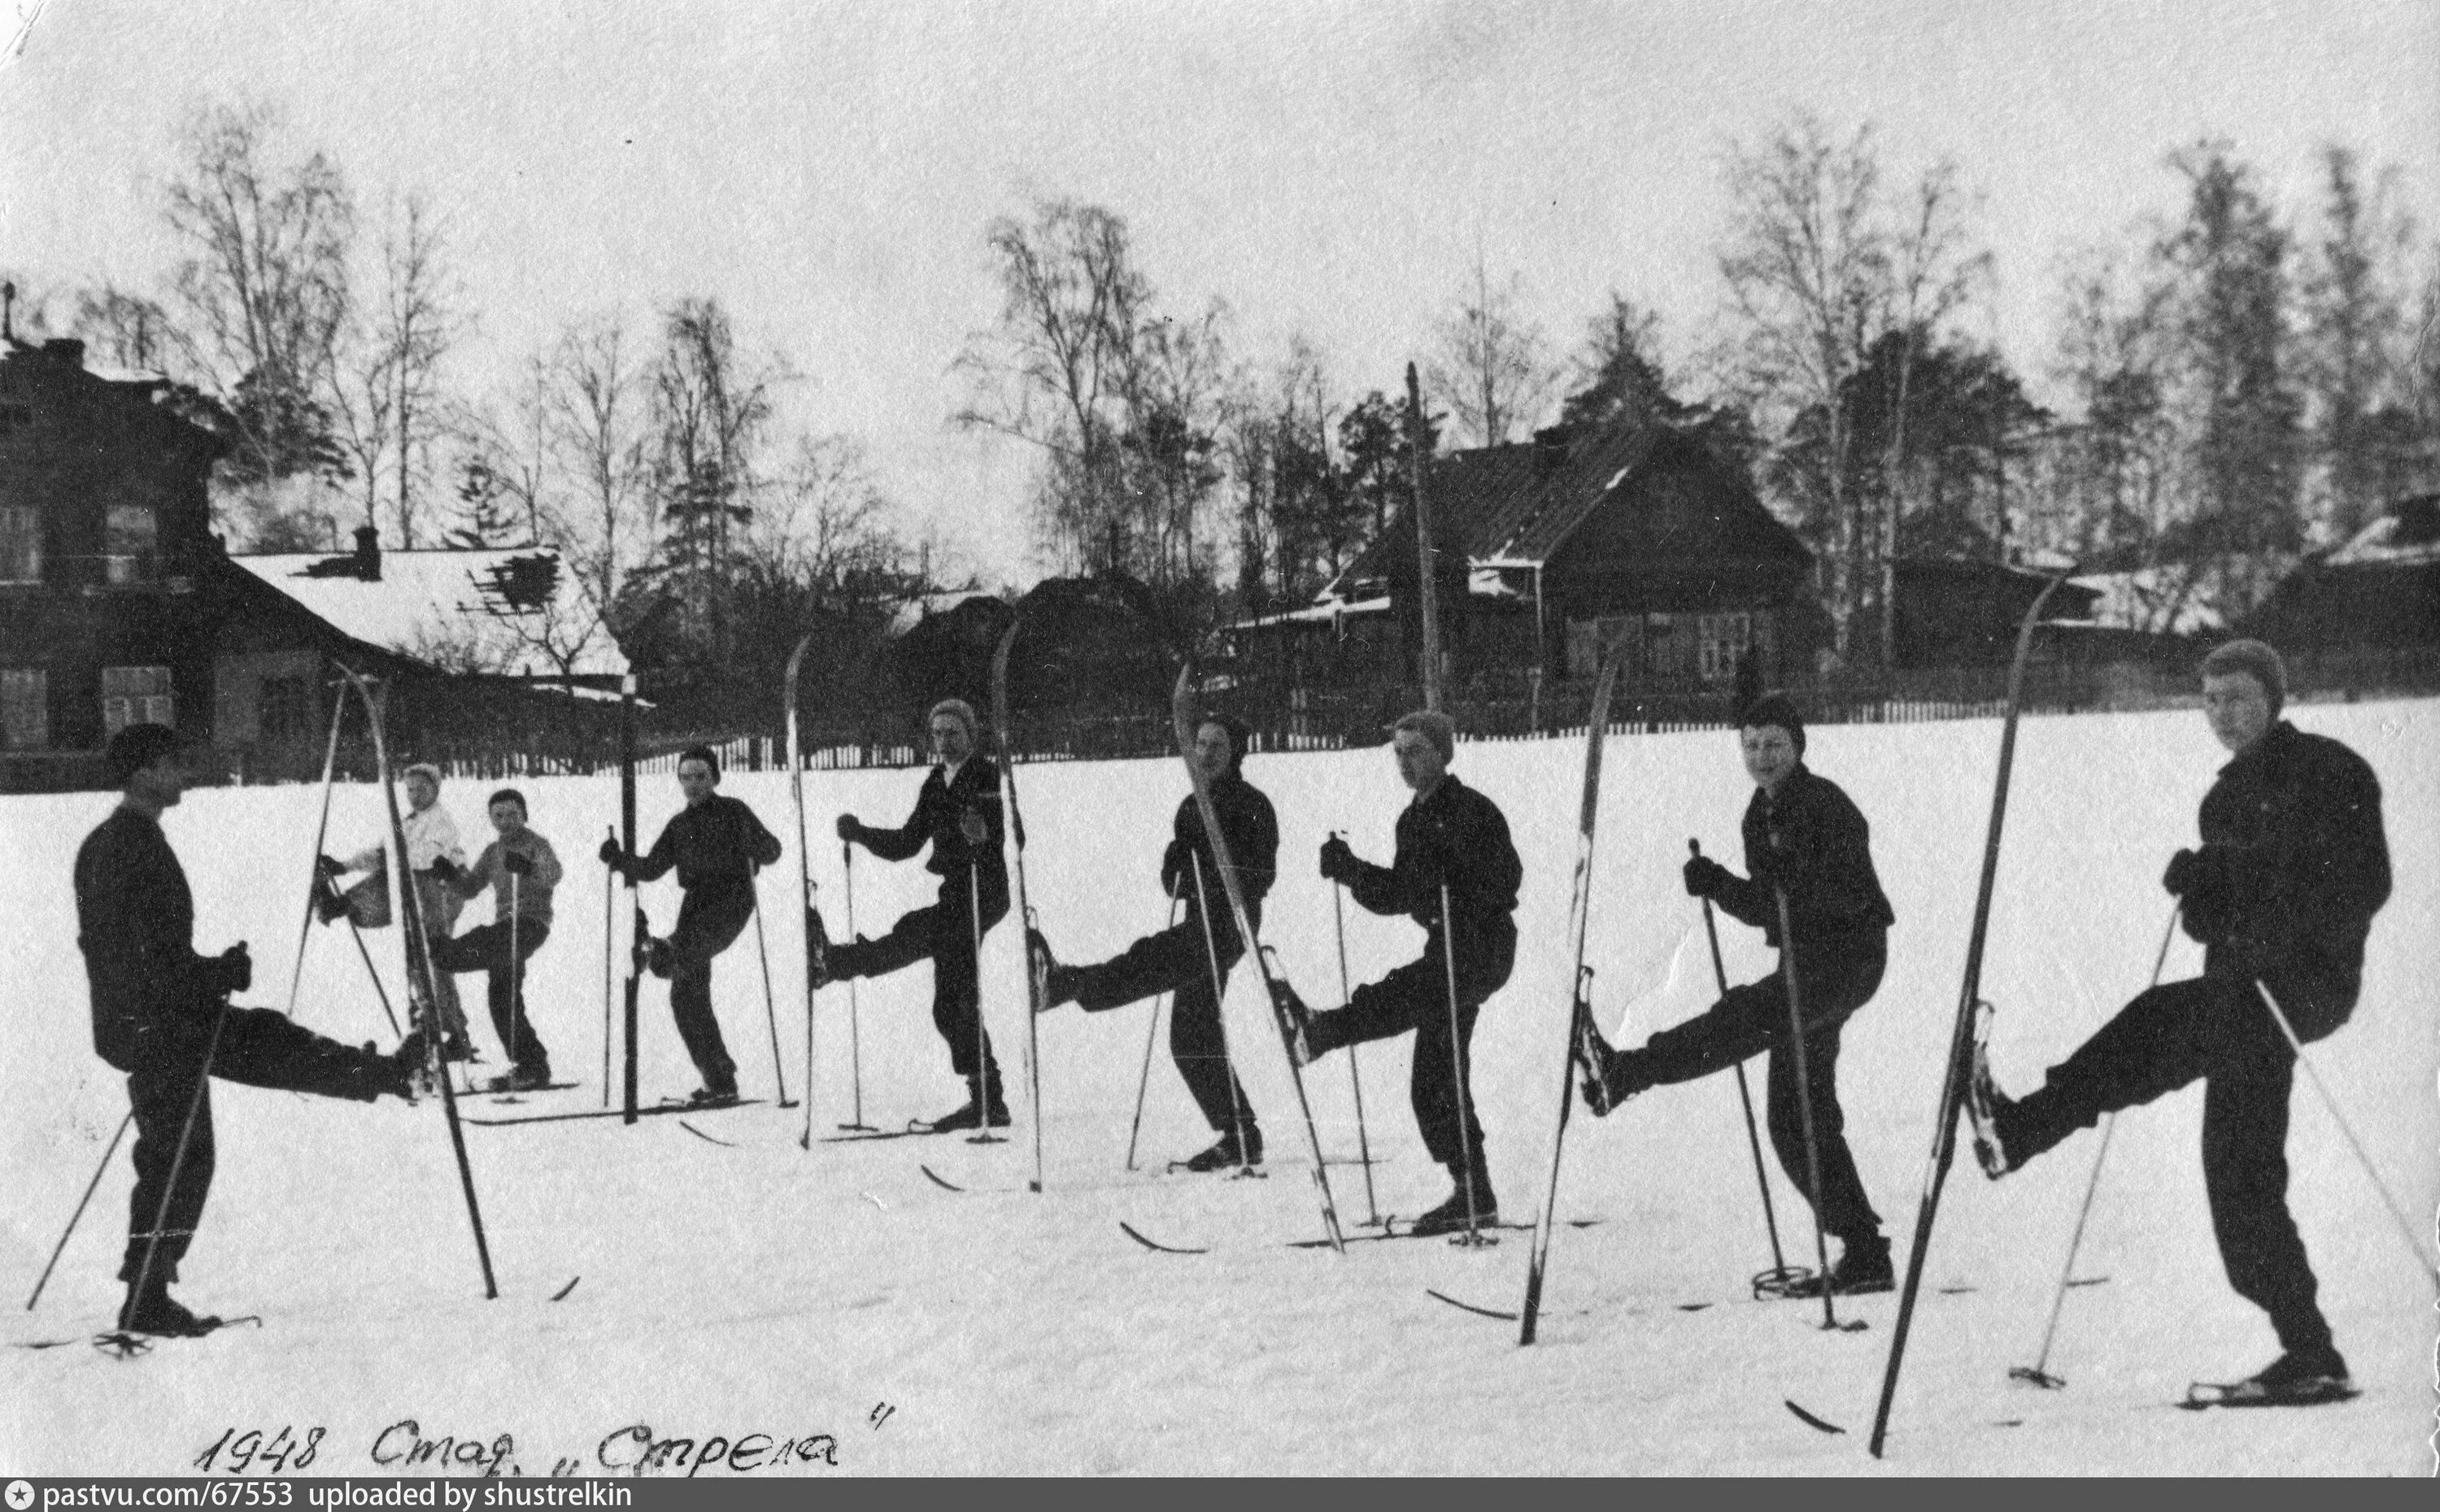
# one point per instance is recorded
(369, 553)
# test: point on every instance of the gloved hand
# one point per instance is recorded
(849, 827)
(1705, 877)
(445, 869)
(230, 971)
(1338, 863)
(515, 863)
(2190, 871)
(325, 866)
(612, 853)
(1174, 864)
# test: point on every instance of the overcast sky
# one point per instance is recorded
(827, 170)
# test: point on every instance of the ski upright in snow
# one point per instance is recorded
(1954, 1078)
(804, 872)
(639, 932)
(1185, 715)
(422, 990)
(1025, 923)
(1579, 1006)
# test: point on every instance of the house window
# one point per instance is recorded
(1722, 642)
(286, 713)
(21, 544)
(127, 545)
(24, 708)
(137, 695)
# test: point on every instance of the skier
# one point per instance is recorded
(717, 845)
(1454, 854)
(1806, 837)
(431, 835)
(1193, 957)
(2292, 867)
(161, 1015)
(958, 813)
(521, 869)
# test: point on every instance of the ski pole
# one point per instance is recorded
(1460, 1098)
(380, 992)
(321, 830)
(1776, 1279)
(2313, 1073)
(1354, 1077)
(77, 1216)
(2036, 1373)
(1804, 1097)
(770, 1004)
(1219, 992)
(1151, 1032)
(854, 1028)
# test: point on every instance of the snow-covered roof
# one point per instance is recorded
(2133, 601)
(915, 610)
(489, 610)
(2407, 535)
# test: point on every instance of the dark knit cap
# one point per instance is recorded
(1775, 709)
(1239, 733)
(2257, 660)
(703, 754)
(134, 748)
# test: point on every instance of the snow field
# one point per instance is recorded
(759, 1289)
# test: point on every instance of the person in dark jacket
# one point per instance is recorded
(2292, 867)
(957, 814)
(161, 1014)
(716, 845)
(1805, 840)
(1193, 957)
(1456, 873)
(521, 869)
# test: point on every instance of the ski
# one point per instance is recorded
(422, 990)
(680, 1105)
(2203, 1394)
(1579, 1004)
(510, 1094)
(1034, 985)
(915, 1131)
(804, 869)
(639, 931)
(1954, 1075)
(1375, 1237)
(1183, 715)
(122, 1343)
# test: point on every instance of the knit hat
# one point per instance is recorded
(1433, 726)
(1775, 709)
(134, 749)
(1239, 733)
(961, 711)
(2257, 660)
(701, 753)
(423, 769)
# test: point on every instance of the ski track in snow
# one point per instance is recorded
(762, 1289)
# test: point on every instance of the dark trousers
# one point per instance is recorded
(1179, 959)
(943, 934)
(709, 921)
(2221, 1032)
(487, 949)
(257, 1048)
(1416, 997)
(1753, 1018)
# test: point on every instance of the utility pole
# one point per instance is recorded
(1429, 586)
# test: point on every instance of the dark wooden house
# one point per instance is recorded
(2379, 591)
(119, 604)
(1633, 537)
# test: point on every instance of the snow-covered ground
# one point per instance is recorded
(728, 1291)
